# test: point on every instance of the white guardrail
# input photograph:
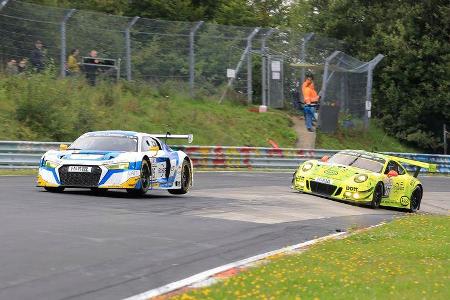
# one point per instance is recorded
(25, 154)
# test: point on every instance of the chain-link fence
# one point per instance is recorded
(253, 65)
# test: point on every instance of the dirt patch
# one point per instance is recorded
(305, 139)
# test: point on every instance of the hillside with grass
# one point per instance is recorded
(44, 109)
(40, 108)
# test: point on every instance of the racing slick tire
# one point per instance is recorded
(416, 198)
(144, 180)
(377, 195)
(58, 189)
(186, 175)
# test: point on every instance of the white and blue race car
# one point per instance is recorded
(115, 159)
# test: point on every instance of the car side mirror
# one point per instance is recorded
(325, 158)
(63, 147)
(392, 173)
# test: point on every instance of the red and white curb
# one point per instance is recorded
(207, 278)
(198, 279)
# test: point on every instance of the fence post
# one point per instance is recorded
(305, 40)
(192, 57)
(445, 139)
(263, 67)
(63, 42)
(368, 104)
(325, 73)
(241, 60)
(128, 46)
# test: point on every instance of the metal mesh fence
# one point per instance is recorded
(196, 55)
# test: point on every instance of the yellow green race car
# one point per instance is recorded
(363, 177)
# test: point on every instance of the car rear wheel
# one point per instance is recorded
(377, 195)
(144, 181)
(58, 189)
(416, 198)
(185, 179)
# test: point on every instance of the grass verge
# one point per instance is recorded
(18, 172)
(408, 258)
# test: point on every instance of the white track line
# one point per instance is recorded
(206, 274)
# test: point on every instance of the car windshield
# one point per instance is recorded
(369, 163)
(105, 143)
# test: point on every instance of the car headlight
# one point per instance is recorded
(306, 167)
(51, 164)
(361, 178)
(118, 166)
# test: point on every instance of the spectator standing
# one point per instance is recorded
(37, 57)
(73, 66)
(311, 99)
(90, 67)
(22, 67)
(11, 67)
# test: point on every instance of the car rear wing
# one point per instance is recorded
(417, 164)
(189, 137)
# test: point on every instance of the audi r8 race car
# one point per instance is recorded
(115, 159)
(363, 177)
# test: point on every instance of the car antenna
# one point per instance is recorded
(167, 134)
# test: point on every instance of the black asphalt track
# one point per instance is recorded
(79, 245)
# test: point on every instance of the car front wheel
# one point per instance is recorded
(144, 180)
(377, 195)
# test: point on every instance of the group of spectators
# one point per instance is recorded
(37, 61)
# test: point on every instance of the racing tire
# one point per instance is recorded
(186, 175)
(416, 198)
(377, 195)
(144, 180)
(52, 189)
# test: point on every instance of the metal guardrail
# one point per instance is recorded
(24, 154)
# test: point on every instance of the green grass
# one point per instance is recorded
(408, 258)
(18, 172)
(44, 109)
(40, 108)
(374, 139)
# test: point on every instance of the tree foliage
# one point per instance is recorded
(411, 90)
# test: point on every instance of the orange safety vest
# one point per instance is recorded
(309, 93)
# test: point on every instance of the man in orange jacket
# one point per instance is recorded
(311, 99)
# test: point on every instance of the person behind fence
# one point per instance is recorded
(11, 67)
(37, 57)
(22, 67)
(73, 66)
(90, 67)
(311, 99)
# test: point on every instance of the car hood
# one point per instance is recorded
(334, 171)
(88, 155)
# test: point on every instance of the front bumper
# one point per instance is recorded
(99, 177)
(337, 190)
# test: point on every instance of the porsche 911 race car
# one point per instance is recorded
(363, 177)
(102, 160)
